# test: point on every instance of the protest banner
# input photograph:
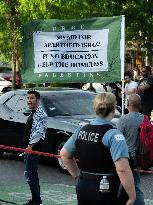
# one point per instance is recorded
(66, 51)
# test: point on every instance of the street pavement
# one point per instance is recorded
(5, 203)
(56, 188)
(52, 194)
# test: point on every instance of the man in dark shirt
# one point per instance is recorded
(145, 90)
(27, 130)
(33, 138)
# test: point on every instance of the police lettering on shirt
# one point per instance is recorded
(119, 137)
(88, 136)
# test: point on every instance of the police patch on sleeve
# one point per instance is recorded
(119, 137)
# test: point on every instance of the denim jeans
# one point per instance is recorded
(31, 174)
(139, 193)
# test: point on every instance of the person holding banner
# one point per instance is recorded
(33, 139)
(103, 158)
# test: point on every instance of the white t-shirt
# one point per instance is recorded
(129, 87)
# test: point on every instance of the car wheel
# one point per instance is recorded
(60, 163)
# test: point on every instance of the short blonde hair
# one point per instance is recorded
(104, 103)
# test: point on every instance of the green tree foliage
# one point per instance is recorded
(14, 13)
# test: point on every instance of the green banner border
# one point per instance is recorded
(98, 23)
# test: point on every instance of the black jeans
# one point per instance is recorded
(87, 190)
(31, 174)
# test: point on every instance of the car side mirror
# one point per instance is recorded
(27, 112)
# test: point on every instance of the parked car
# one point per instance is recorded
(5, 85)
(66, 108)
(6, 73)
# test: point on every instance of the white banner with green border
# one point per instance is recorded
(67, 51)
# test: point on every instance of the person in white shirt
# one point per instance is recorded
(97, 87)
(135, 73)
(130, 86)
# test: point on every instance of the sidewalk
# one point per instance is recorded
(147, 202)
(5, 202)
(52, 194)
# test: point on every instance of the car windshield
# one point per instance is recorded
(69, 104)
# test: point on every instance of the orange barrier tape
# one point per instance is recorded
(29, 151)
(144, 171)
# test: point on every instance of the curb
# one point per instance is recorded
(2, 202)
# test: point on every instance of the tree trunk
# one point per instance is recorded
(13, 72)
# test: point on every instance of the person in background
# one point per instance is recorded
(33, 139)
(135, 74)
(116, 90)
(95, 87)
(145, 90)
(130, 86)
(129, 126)
(103, 156)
